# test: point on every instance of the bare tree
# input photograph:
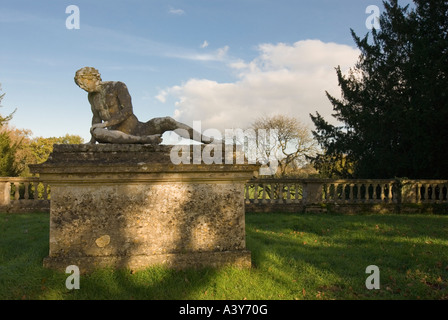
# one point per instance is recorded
(293, 142)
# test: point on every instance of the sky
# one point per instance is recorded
(221, 62)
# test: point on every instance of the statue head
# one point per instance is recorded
(88, 78)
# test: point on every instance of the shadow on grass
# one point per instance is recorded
(329, 254)
(25, 242)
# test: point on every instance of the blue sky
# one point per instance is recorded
(220, 61)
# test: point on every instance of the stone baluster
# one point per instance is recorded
(256, 186)
(390, 196)
(351, 195)
(332, 192)
(26, 194)
(288, 193)
(419, 193)
(339, 194)
(16, 191)
(346, 196)
(281, 199)
(329, 185)
(246, 194)
(382, 194)
(426, 192)
(297, 196)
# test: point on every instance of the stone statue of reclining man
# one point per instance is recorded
(113, 119)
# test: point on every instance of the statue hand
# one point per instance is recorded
(98, 125)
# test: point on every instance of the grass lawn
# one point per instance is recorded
(295, 256)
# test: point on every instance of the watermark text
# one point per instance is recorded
(373, 20)
(72, 281)
(373, 281)
(73, 20)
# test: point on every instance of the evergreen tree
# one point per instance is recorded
(394, 105)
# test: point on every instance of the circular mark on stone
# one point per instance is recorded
(102, 241)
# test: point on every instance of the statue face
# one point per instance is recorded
(89, 84)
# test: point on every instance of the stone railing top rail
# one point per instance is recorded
(346, 181)
(19, 179)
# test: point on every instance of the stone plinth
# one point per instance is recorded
(128, 206)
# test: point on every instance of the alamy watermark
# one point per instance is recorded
(373, 281)
(72, 281)
(237, 146)
(73, 21)
(373, 20)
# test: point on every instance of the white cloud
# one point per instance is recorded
(162, 96)
(217, 55)
(178, 12)
(283, 79)
(204, 44)
(221, 53)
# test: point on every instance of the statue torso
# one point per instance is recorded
(112, 98)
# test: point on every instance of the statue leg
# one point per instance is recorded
(114, 136)
(169, 124)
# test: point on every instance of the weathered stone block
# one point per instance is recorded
(129, 206)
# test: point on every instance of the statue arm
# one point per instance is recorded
(96, 119)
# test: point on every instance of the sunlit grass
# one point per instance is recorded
(294, 256)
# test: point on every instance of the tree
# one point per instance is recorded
(394, 105)
(21, 138)
(7, 152)
(7, 147)
(293, 142)
(37, 150)
(4, 120)
(42, 147)
(18, 149)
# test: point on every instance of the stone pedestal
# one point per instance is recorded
(128, 206)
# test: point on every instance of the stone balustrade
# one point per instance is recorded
(22, 195)
(356, 191)
(346, 195)
(19, 195)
